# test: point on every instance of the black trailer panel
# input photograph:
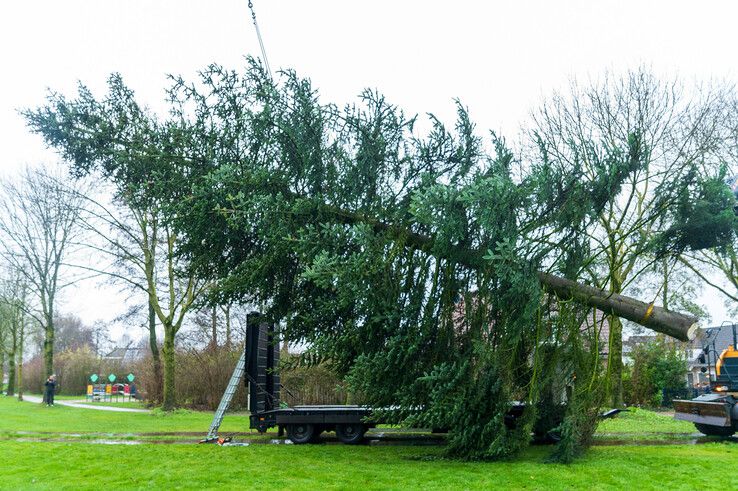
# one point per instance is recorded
(262, 359)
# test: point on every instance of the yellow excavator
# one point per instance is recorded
(715, 413)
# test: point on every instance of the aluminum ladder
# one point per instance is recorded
(227, 397)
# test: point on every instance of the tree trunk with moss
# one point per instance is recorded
(155, 355)
(49, 344)
(615, 361)
(2, 365)
(615, 343)
(21, 335)
(11, 368)
(169, 396)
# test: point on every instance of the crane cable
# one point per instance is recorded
(261, 42)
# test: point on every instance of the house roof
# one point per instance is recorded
(720, 336)
(124, 353)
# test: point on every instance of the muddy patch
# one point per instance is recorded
(376, 437)
(700, 440)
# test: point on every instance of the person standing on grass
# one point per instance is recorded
(50, 387)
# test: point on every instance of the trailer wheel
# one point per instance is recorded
(301, 433)
(711, 430)
(350, 433)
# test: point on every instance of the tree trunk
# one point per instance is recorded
(49, 347)
(21, 335)
(2, 367)
(214, 335)
(155, 356)
(615, 351)
(665, 287)
(11, 369)
(680, 326)
(615, 361)
(227, 313)
(169, 400)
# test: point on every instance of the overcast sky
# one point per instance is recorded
(499, 58)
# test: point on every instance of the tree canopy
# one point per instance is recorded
(410, 261)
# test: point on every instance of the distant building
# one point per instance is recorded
(633, 341)
(125, 354)
(600, 322)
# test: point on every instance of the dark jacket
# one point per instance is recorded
(50, 386)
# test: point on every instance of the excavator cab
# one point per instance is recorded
(715, 413)
(726, 371)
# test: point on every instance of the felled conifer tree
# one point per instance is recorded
(412, 263)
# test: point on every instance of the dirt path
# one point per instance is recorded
(38, 400)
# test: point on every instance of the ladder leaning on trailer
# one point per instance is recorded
(225, 402)
(257, 365)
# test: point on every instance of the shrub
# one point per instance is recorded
(201, 377)
(33, 375)
(657, 366)
(72, 368)
(311, 384)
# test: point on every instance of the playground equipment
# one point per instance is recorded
(111, 391)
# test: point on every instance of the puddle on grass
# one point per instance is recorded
(700, 440)
(371, 441)
(376, 438)
(101, 441)
(126, 435)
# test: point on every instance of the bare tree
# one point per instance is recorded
(657, 133)
(13, 308)
(723, 261)
(213, 326)
(4, 328)
(139, 250)
(39, 226)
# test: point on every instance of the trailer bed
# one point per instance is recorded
(324, 416)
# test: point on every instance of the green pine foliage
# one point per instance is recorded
(405, 261)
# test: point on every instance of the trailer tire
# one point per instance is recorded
(711, 430)
(301, 433)
(350, 433)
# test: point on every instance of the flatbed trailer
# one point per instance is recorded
(305, 423)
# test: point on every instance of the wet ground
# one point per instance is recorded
(641, 439)
(391, 437)
(81, 403)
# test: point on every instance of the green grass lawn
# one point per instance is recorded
(79, 464)
(643, 421)
(27, 416)
(126, 404)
